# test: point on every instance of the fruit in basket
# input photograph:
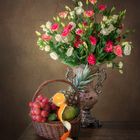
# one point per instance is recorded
(41, 108)
(52, 117)
(70, 113)
(58, 99)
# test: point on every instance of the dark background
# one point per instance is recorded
(23, 66)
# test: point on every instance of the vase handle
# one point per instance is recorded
(101, 77)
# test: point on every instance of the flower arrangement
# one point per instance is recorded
(91, 35)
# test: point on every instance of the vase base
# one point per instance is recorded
(88, 121)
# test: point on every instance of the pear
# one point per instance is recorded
(70, 113)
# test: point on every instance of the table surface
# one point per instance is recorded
(109, 131)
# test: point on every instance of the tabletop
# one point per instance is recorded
(109, 131)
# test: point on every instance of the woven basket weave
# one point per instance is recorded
(53, 130)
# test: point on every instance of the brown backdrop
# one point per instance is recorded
(23, 67)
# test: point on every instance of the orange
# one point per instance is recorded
(58, 99)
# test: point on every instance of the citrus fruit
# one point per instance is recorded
(58, 99)
(70, 113)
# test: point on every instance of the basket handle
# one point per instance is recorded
(52, 81)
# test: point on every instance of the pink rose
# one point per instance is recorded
(65, 32)
(77, 43)
(46, 37)
(55, 27)
(102, 7)
(109, 46)
(63, 14)
(118, 50)
(79, 31)
(93, 1)
(91, 59)
(84, 23)
(89, 13)
(93, 40)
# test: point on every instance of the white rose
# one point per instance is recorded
(69, 51)
(105, 32)
(65, 40)
(104, 18)
(72, 13)
(48, 24)
(114, 18)
(58, 38)
(80, 3)
(111, 28)
(120, 64)
(79, 10)
(127, 48)
(109, 65)
(53, 55)
(47, 48)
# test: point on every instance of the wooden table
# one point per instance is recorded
(109, 131)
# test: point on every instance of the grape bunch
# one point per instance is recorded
(42, 110)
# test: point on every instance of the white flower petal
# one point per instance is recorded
(69, 51)
(53, 55)
(48, 25)
(120, 64)
(47, 48)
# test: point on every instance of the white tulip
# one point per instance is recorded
(80, 3)
(127, 48)
(47, 48)
(58, 38)
(69, 51)
(120, 64)
(48, 25)
(79, 10)
(53, 55)
(121, 71)
(109, 65)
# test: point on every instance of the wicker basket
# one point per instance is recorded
(54, 130)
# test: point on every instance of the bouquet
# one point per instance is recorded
(89, 33)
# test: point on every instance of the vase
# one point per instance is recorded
(91, 78)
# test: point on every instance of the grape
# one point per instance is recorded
(30, 104)
(42, 105)
(45, 100)
(37, 111)
(43, 120)
(38, 118)
(44, 113)
(32, 112)
(47, 108)
(36, 105)
(40, 97)
(53, 107)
